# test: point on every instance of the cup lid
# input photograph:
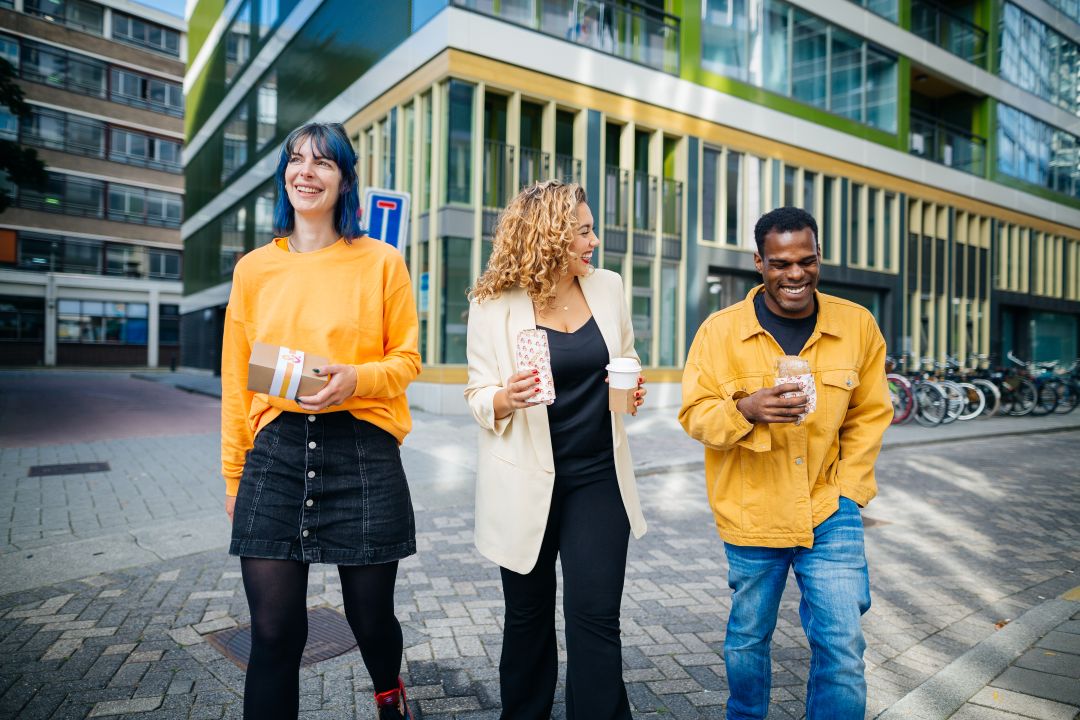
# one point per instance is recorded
(624, 364)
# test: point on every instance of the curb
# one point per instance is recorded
(181, 385)
(952, 686)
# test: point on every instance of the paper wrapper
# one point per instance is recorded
(284, 372)
(621, 400)
(533, 354)
(806, 386)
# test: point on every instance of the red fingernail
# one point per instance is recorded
(637, 394)
(537, 379)
(536, 390)
(535, 371)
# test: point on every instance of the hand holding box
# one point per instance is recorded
(284, 372)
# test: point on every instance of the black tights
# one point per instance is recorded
(277, 596)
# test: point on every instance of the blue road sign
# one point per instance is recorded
(386, 214)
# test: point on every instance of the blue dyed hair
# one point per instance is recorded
(328, 140)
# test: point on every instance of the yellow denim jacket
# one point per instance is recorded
(771, 484)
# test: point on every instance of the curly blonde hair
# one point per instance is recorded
(532, 242)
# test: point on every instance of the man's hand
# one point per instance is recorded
(230, 505)
(339, 388)
(766, 405)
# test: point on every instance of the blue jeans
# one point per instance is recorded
(835, 588)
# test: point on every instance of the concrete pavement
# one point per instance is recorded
(112, 581)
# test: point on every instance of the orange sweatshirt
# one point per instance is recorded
(351, 303)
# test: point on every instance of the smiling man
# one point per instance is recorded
(787, 494)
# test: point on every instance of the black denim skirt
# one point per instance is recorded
(324, 489)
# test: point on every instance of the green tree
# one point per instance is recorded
(21, 165)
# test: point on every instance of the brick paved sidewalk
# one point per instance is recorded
(962, 537)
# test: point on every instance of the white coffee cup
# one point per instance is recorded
(623, 373)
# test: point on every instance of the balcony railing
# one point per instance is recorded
(535, 165)
(616, 217)
(939, 25)
(947, 144)
(627, 28)
(567, 169)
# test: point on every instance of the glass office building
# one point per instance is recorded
(936, 150)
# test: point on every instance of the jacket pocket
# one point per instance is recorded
(834, 397)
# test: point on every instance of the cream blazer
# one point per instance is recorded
(515, 469)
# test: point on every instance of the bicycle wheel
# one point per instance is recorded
(930, 404)
(1046, 398)
(1070, 397)
(974, 401)
(954, 400)
(1022, 396)
(992, 394)
(903, 400)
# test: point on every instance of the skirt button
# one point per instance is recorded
(305, 533)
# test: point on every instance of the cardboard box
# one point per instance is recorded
(621, 400)
(284, 372)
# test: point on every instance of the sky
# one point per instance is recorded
(174, 7)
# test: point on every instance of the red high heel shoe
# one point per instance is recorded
(392, 705)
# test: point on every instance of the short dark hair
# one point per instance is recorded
(328, 140)
(782, 220)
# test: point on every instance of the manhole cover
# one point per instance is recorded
(68, 469)
(329, 635)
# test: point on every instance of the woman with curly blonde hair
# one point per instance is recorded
(553, 481)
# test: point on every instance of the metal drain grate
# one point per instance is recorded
(329, 635)
(68, 469)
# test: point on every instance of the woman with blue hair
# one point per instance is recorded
(319, 479)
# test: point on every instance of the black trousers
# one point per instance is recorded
(588, 530)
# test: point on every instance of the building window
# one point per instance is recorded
(264, 216)
(388, 145)
(1032, 151)
(168, 324)
(60, 131)
(58, 68)
(233, 231)
(135, 148)
(125, 260)
(9, 50)
(773, 45)
(733, 194)
(266, 111)
(22, 318)
(163, 264)
(143, 207)
(669, 313)
(269, 11)
(132, 89)
(145, 34)
(67, 195)
(641, 309)
(53, 253)
(1038, 59)
(234, 142)
(710, 190)
(92, 321)
(459, 142)
(456, 278)
(238, 42)
(79, 14)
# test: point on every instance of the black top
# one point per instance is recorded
(790, 333)
(579, 418)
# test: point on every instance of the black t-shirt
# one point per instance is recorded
(790, 333)
(579, 419)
